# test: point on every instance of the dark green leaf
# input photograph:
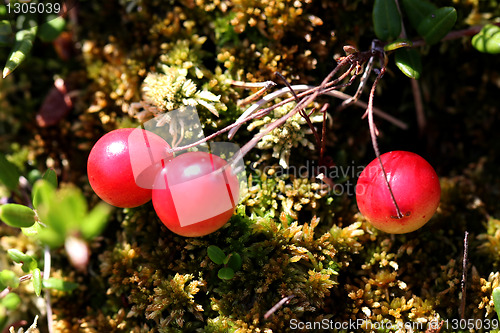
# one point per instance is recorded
(51, 29)
(417, 10)
(95, 222)
(216, 254)
(51, 177)
(234, 261)
(226, 273)
(22, 47)
(11, 301)
(488, 39)
(437, 24)
(9, 174)
(58, 284)
(409, 62)
(8, 279)
(19, 216)
(37, 281)
(386, 19)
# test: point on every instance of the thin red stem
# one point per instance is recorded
(373, 134)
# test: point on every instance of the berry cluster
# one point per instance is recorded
(193, 194)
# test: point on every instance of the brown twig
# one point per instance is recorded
(278, 305)
(323, 134)
(308, 97)
(419, 106)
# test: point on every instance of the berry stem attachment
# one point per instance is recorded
(374, 133)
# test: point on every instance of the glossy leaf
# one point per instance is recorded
(51, 29)
(417, 10)
(37, 281)
(22, 47)
(226, 273)
(397, 44)
(95, 222)
(409, 62)
(437, 24)
(11, 301)
(16, 215)
(234, 261)
(386, 19)
(8, 279)
(58, 284)
(488, 39)
(9, 174)
(50, 176)
(216, 254)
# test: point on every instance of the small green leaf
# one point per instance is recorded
(437, 24)
(43, 192)
(32, 231)
(11, 301)
(9, 174)
(225, 273)
(488, 39)
(8, 279)
(397, 44)
(22, 47)
(386, 19)
(417, 10)
(58, 284)
(216, 254)
(37, 281)
(234, 261)
(18, 256)
(16, 215)
(34, 175)
(95, 222)
(51, 237)
(409, 62)
(496, 301)
(51, 177)
(51, 29)
(63, 212)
